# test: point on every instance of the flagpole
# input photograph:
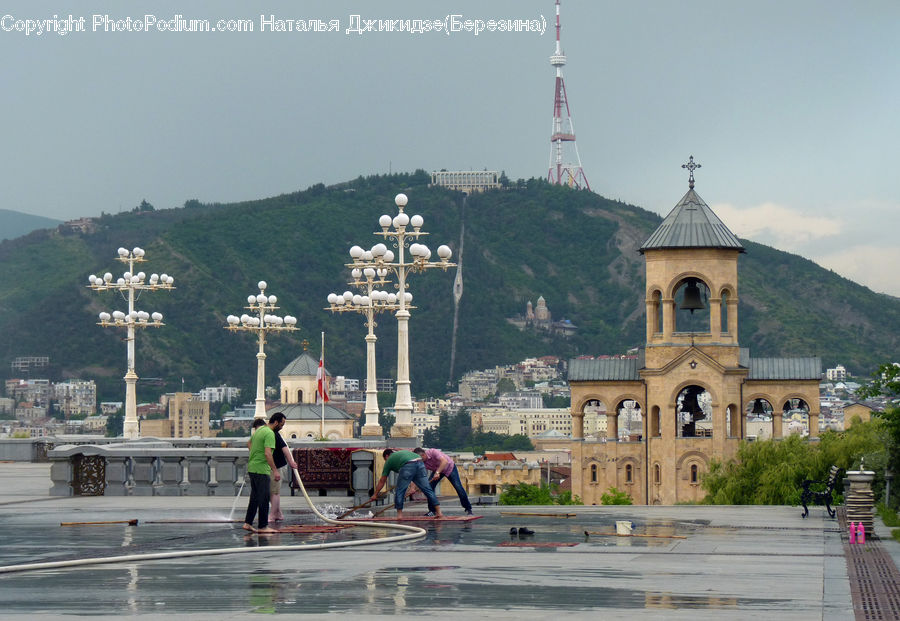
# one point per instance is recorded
(322, 396)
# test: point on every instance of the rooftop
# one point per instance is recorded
(732, 562)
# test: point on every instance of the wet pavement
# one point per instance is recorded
(700, 563)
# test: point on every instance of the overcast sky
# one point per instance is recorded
(792, 107)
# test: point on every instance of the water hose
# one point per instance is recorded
(412, 533)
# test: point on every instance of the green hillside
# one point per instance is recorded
(575, 248)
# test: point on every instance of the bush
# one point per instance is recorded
(527, 494)
(771, 472)
(615, 497)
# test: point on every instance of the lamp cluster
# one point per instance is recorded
(403, 232)
(130, 285)
(130, 282)
(262, 305)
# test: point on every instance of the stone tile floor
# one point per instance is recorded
(734, 562)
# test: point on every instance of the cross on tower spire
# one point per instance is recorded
(691, 166)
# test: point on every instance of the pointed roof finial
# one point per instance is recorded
(305, 344)
(691, 166)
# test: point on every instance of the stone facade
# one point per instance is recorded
(692, 382)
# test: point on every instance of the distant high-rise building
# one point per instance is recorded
(564, 168)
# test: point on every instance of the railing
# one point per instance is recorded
(159, 468)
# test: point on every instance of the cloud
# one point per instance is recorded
(777, 225)
(859, 248)
(872, 266)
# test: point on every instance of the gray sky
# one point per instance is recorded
(791, 107)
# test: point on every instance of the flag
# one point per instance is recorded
(321, 382)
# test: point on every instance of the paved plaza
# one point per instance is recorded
(701, 562)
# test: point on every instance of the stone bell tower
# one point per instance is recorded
(692, 282)
(691, 382)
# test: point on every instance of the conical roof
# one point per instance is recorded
(692, 224)
(303, 365)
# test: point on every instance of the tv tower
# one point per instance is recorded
(562, 169)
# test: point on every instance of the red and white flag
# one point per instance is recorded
(321, 382)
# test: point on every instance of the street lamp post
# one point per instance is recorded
(261, 321)
(365, 278)
(404, 239)
(130, 285)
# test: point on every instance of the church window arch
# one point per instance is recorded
(695, 474)
(691, 292)
(693, 412)
(657, 474)
(593, 473)
(629, 473)
(723, 313)
(299, 396)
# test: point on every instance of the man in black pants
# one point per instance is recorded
(260, 467)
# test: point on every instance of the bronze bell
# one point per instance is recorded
(689, 404)
(758, 407)
(692, 299)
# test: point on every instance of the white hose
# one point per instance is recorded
(413, 533)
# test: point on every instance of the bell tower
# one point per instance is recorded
(692, 282)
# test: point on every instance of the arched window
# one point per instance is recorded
(696, 320)
(299, 396)
(658, 309)
(655, 430)
(593, 473)
(628, 473)
(694, 473)
(724, 312)
(657, 476)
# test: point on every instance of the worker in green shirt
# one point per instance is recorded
(409, 468)
(261, 468)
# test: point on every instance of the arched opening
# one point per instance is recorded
(760, 420)
(733, 421)
(654, 431)
(657, 474)
(594, 419)
(692, 306)
(593, 473)
(724, 312)
(795, 417)
(629, 473)
(655, 316)
(293, 436)
(284, 399)
(629, 421)
(693, 411)
(695, 474)
(299, 396)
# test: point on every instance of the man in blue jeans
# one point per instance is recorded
(409, 468)
(442, 466)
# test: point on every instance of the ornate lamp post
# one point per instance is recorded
(130, 285)
(366, 277)
(402, 238)
(261, 321)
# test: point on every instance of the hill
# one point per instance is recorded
(575, 248)
(15, 223)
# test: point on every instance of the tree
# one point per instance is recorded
(886, 382)
(772, 472)
(387, 422)
(115, 424)
(505, 385)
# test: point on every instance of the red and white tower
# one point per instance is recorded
(564, 169)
